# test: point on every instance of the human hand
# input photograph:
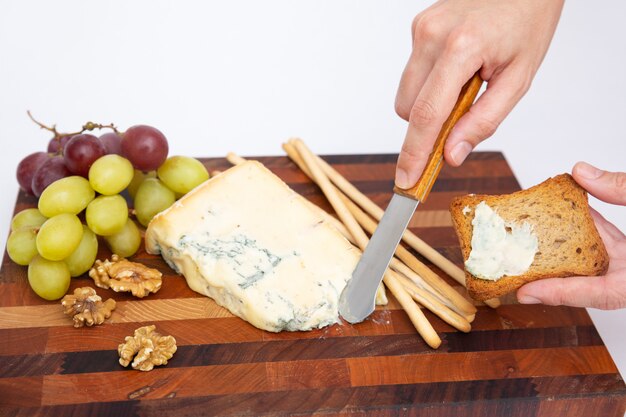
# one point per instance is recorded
(606, 292)
(452, 40)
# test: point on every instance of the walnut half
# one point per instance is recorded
(120, 274)
(86, 307)
(148, 348)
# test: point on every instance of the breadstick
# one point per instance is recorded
(426, 299)
(460, 304)
(422, 296)
(463, 306)
(416, 315)
(409, 237)
(398, 266)
(332, 196)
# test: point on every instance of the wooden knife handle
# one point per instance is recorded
(423, 186)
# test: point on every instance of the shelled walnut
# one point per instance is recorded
(120, 274)
(148, 348)
(86, 307)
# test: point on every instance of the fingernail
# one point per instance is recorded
(402, 179)
(460, 152)
(526, 299)
(588, 171)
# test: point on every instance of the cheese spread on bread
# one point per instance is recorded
(499, 248)
(248, 241)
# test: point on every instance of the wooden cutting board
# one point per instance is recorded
(530, 360)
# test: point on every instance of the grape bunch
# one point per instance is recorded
(93, 178)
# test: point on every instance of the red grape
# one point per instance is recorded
(56, 145)
(112, 143)
(50, 171)
(81, 151)
(145, 147)
(27, 167)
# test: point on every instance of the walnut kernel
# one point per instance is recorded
(148, 348)
(120, 274)
(86, 307)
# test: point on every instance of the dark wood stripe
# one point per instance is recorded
(498, 185)
(374, 172)
(583, 384)
(523, 339)
(305, 350)
(455, 397)
(516, 395)
(595, 406)
(112, 409)
(302, 375)
(275, 351)
(391, 158)
(608, 407)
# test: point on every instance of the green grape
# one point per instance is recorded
(110, 174)
(30, 217)
(67, 195)
(106, 215)
(83, 257)
(126, 242)
(181, 174)
(49, 279)
(22, 246)
(138, 178)
(152, 197)
(59, 236)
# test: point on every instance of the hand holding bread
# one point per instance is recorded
(540, 236)
(607, 291)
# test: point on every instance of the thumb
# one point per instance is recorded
(609, 187)
(573, 291)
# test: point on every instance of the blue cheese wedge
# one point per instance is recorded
(249, 242)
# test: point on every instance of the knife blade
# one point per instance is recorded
(357, 299)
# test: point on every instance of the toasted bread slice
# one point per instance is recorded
(558, 211)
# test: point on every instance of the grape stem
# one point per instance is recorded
(89, 126)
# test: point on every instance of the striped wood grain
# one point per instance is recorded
(518, 360)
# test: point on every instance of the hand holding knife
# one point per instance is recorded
(357, 298)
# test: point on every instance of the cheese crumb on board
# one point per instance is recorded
(249, 242)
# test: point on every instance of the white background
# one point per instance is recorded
(245, 75)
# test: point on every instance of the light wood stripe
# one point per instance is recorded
(50, 315)
(521, 363)
(511, 314)
(431, 218)
(233, 330)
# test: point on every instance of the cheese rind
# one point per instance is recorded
(248, 241)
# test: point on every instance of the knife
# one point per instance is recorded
(358, 297)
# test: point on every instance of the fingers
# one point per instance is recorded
(428, 113)
(576, 292)
(411, 82)
(607, 186)
(432, 106)
(426, 48)
(503, 92)
(608, 231)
